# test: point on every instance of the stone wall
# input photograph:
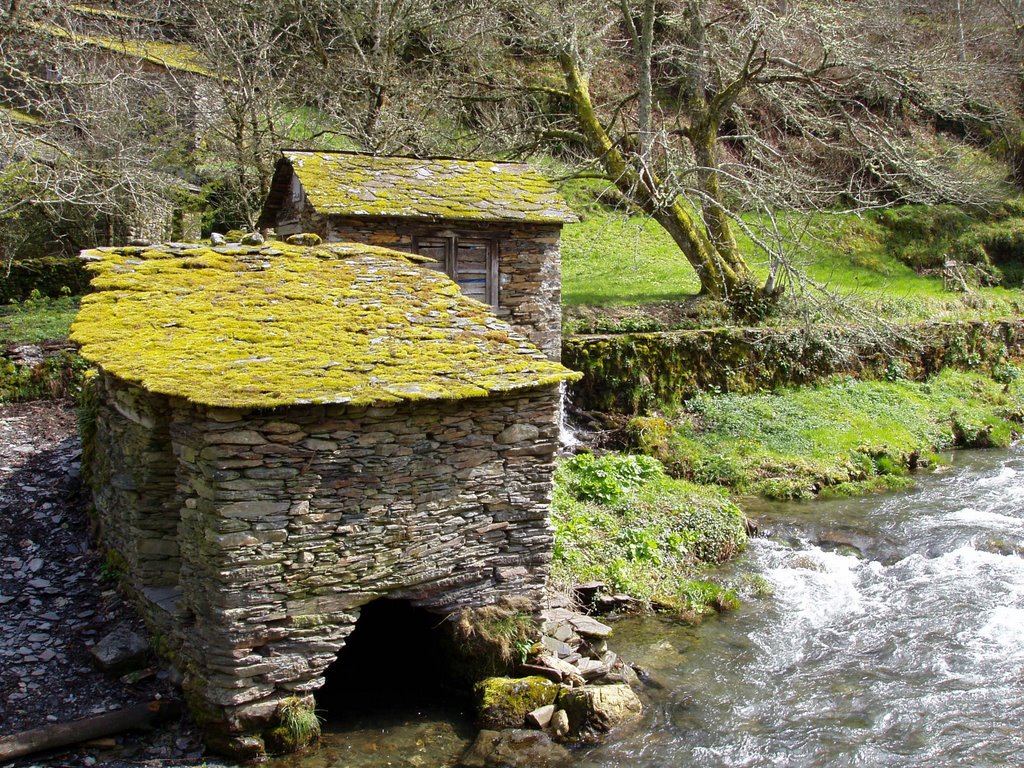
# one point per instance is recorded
(630, 373)
(529, 261)
(133, 477)
(291, 519)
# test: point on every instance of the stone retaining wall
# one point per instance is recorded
(291, 519)
(629, 373)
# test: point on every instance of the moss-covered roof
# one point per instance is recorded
(277, 324)
(17, 116)
(177, 56)
(463, 190)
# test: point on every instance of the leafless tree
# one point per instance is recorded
(91, 132)
(698, 110)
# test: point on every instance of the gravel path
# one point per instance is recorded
(55, 602)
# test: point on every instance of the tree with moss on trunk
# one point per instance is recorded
(700, 106)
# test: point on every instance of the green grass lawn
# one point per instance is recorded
(613, 260)
(37, 319)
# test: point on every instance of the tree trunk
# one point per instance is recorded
(716, 218)
(720, 274)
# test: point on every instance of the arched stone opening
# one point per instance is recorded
(399, 658)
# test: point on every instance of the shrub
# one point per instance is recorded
(606, 478)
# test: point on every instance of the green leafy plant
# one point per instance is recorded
(606, 478)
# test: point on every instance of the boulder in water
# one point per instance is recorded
(599, 708)
(504, 702)
(514, 748)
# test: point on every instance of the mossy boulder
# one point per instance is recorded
(504, 702)
(304, 238)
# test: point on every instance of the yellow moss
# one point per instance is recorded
(278, 324)
(17, 116)
(365, 185)
(177, 56)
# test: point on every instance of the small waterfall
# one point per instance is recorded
(566, 434)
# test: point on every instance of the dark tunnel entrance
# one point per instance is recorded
(398, 661)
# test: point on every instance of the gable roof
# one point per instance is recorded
(276, 324)
(354, 184)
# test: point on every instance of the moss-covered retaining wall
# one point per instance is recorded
(629, 373)
(40, 372)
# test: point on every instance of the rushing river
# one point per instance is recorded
(893, 636)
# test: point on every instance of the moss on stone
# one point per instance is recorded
(504, 702)
(276, 324)
(474, 190)
(177, 56)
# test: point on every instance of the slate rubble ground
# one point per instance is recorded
(55, 605)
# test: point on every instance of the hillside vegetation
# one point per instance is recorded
(725, 146)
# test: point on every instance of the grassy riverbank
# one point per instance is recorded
(621, 520)
(842, 437)
(655, 533)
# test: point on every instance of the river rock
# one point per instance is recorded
(541, 716)
(598, 709)
(504, 702)
(589, 627)
(514, 748)
(560, 723)
(566, 670)
(590, 669)
(121, 651)
(843, 543)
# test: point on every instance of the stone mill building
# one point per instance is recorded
(285, 434)
(494, 228)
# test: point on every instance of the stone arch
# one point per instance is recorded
(398, 653)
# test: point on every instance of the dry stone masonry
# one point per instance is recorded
(492, 227)
(284, 434)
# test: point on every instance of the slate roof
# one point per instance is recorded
(436, 189)
(276, 324)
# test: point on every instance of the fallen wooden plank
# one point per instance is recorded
(93, 727)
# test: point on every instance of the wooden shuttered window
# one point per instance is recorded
(470, 261)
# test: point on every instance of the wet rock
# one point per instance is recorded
(541, 716)
(216, 238)
(121, 651)
(560, 723)
(617, 602)
(620, 672)
(504, 702)
(514, 748)
(598, 709)
(843, 543)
